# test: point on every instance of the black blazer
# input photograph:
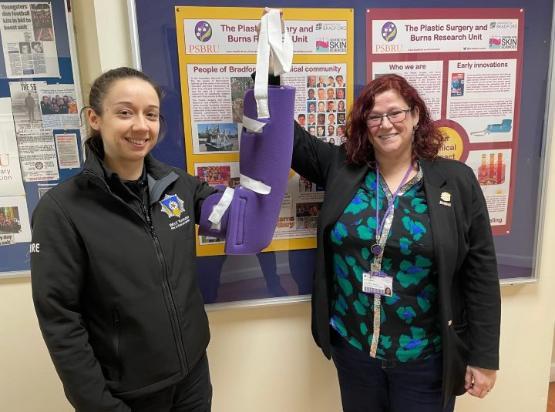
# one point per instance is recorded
(469, 295)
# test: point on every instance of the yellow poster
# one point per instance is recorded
(217, 55)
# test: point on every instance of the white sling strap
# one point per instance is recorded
(220, 208)
(255, 185)
(252, 125)
(270, 39)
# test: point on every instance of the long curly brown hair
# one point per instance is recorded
(427, 138)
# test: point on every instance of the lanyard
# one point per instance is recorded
(378, 246)
(377, 250)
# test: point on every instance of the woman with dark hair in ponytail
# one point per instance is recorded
(406, 296)
(113, 273)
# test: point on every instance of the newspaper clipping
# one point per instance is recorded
(28, 40)
(25, 104)
(37, 155)
(58, 106)
(67, 150)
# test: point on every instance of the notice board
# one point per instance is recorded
(40, 136)
(454, 52)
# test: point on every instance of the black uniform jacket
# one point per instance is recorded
(115, 290)
(469, 295)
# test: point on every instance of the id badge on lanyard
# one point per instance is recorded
(377, 282)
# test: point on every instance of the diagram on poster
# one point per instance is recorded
(468, 71)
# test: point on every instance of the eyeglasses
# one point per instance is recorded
(396, 116)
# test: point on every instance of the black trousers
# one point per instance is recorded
(192, 394)
(371, 385)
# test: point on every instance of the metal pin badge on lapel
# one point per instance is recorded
(445, 199)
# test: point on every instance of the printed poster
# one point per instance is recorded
(217, 55)
(14, 215)
(468, 71)
(11, 181)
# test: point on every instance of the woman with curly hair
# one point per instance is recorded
(406, 296)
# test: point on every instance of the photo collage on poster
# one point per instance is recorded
(326, 107)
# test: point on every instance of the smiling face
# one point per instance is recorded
(129, 123)
(392, 139)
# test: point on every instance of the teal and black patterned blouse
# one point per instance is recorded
(409, 319)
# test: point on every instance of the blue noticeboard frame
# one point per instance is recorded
(156, 53)
(14, 259)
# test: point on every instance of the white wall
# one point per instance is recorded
(263, 359)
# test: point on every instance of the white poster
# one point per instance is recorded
(11, 183)
(28, 40)
(37, 155)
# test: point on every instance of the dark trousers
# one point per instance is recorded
(371, 385)
(192, 394)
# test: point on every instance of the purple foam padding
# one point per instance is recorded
(266, 157)
(204, 225)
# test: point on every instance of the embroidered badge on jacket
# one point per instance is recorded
(172, 205)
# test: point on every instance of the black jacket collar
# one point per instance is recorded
(154, 168)
(159, 175)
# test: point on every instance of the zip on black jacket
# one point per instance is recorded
(115, 290)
